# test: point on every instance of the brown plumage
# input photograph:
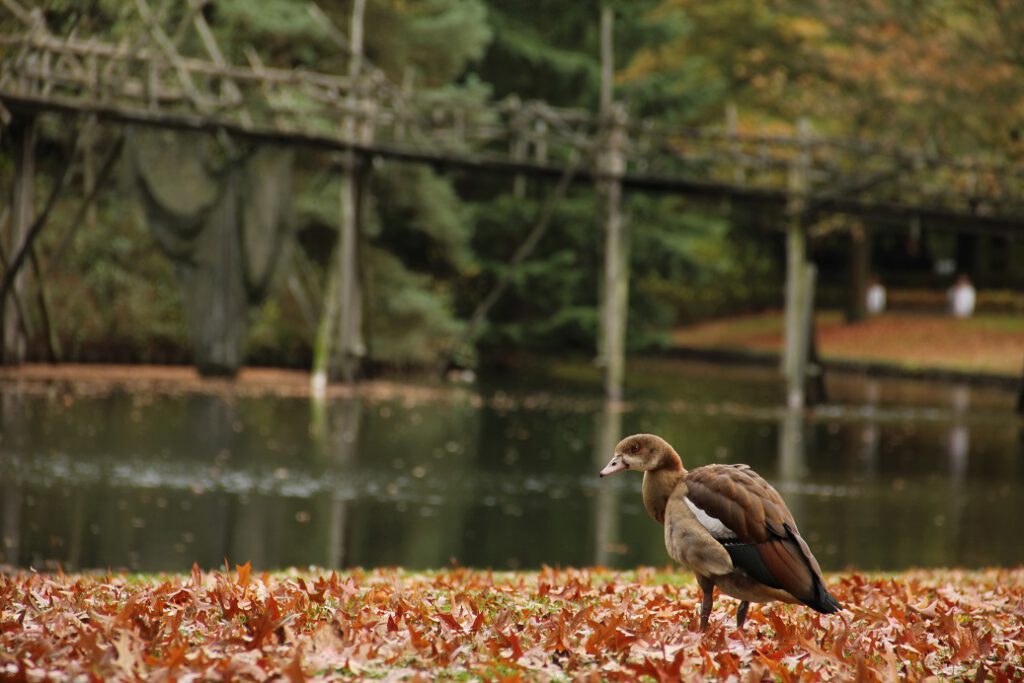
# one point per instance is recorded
(728, 526)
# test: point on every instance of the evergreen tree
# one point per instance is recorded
(685, 262)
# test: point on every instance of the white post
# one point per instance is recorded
(611, 166)
(616, 260)
(794, 358)
(344, 299)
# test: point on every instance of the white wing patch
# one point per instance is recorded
(715, 527)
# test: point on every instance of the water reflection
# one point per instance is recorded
(959, 434)
(870, 431)
(606, 502)
(503, 478)
(791, 449)
(336, 444)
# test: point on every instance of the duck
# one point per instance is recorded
(726, 525)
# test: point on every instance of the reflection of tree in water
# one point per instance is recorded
(149, 482)
(608, 432)
(416, 458)
(10, 530)
(959, 452)
(791, 448)
(959, 433)
(237, 523)
(335, 427)
(870, 432)
(274, 529)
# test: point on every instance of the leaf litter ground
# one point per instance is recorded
(572, 624)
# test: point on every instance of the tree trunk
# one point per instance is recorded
(860, 269)
(23, 132)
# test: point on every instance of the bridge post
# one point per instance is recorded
(799, 279)
(519, 150)
(342, 313)
(351, 319)
(13, 348)
(732, 125)
(615, 293)
(860, 268)
(1020, 396)
(343, 303)
(611, 166)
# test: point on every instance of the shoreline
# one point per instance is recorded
(97, 378)
(260, 381)
(733, 356)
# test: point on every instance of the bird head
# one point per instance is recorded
(641, 452)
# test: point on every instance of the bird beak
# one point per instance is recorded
(617, 464)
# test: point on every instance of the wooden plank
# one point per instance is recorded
(191, 64)
(201, 101)
(22, 14)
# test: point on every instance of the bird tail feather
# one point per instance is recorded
(824, 601)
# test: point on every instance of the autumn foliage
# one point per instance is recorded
(552, 624)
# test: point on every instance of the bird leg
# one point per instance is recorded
(707, 587)
(741, 613)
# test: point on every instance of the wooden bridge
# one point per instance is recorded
(147, 80)
(153, 84)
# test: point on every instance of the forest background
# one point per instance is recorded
(941, 77)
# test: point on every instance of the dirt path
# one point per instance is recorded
(182, 379)
(986, 344)
(989, 344)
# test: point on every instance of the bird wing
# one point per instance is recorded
(688, 542)
(751, 521)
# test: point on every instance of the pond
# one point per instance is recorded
(889, 474)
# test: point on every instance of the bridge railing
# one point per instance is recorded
(836, 168)
(149, 83)
(152, 81)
